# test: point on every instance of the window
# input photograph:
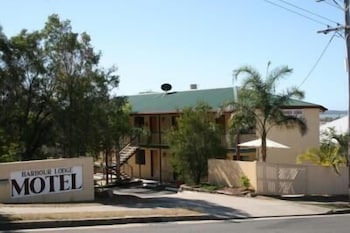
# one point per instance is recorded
(139, 121)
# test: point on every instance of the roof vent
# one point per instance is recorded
(193, 86)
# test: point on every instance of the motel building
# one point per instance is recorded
(149, 157)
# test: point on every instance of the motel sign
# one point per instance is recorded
(45, 181)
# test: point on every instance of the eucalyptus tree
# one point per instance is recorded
(195, 140)
(5, 93)
(82, 87)
(113, 129)
(54, 92)
(26, 92)
(258, 101)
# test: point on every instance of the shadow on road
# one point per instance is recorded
(4, 220)
(108, 197)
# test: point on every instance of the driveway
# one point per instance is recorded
(219, 205)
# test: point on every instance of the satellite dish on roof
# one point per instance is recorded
(166, 87)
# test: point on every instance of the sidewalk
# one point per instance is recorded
(141, 208)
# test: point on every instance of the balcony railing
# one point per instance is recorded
(153, 139)
(159, 139)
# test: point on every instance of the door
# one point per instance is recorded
(139, 122)
(154, 163)
(154, 127)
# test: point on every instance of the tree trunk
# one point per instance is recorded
(106, 166)
(238, 149)
(263, 147)
(198, 178)
(117, 166)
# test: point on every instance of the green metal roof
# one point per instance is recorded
(173, 101)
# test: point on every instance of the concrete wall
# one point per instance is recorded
(292, 138)
(279, 179)
(53, 180)
(229, 172)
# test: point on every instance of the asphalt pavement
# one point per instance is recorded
(310, 224)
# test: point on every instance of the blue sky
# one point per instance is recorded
(201, 41)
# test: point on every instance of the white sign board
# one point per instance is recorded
(293, 112)
(46, 181)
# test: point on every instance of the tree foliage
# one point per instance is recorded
(195, 140)
(240, 123)
(258, 102)
(331, 137)
(331, 153)
(53, 93)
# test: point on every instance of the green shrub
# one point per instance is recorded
(210, 187)
(245, 182)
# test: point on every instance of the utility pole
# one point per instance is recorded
(347, 41)
(346, 29)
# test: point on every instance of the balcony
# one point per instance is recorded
(154, 139)
(159, 140)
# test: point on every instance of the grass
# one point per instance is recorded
(101, 199)
(103, 214)
(51, 204)
(334, 206)
(209, 187)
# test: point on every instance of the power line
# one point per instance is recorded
(318, 60)
(334, 4)
(338, 5)
(307, 11)
(340, 35)
(295, 12)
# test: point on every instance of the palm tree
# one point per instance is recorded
(328, 155)
(240, 124)
(332, 152)
(257, 99)
(331, 137)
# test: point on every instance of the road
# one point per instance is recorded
(319, 224)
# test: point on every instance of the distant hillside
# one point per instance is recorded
(331, 115)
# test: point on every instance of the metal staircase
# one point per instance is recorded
(126, 153)
(129, 149)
